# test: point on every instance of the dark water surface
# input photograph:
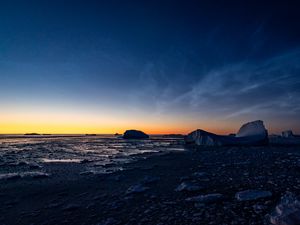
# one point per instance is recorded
(27, 154)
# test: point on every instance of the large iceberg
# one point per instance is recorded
(252, 133)
(255, 128)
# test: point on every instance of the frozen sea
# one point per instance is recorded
(22, 155)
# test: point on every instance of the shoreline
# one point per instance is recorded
(145, 191)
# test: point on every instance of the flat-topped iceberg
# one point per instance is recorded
(252, 133)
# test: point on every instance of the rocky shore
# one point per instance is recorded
(224, 185)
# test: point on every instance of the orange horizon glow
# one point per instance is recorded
(93, 124)
(69, 122)
(42, 128)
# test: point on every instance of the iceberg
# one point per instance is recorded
(252, 133)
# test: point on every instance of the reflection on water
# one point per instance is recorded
(94, 151)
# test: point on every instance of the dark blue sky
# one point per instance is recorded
(167, 65)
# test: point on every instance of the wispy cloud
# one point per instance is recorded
(268, 88)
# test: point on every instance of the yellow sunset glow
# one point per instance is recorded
(75, 123)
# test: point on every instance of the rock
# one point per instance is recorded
(287, 211)
(135, 134)
(138, 188)
(186, 186)
(252, 133)
(249, 195)
(287, 134)
(209, 198)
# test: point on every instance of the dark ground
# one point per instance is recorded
(69, 198)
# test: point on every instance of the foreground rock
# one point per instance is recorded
(249, 195)
(209, 198)
(251, 134)
(287, 212)
(135, 134)
(187, 186)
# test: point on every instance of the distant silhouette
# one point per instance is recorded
(135, 134)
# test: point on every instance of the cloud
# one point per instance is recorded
(270, 88)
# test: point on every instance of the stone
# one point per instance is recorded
(209, 198)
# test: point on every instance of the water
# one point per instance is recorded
(96, 152)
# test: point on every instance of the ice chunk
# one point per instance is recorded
(249, 195)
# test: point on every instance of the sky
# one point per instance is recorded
(158, 66)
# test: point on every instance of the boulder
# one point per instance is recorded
(287, 134)
(135, 134)
(252, 133)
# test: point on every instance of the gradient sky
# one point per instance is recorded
(159, 66)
